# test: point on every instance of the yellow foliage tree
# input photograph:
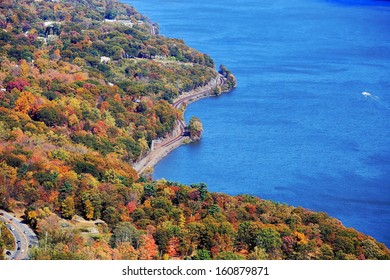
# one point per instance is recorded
(42, 64)
(73, 120)
(25, 102)
(89, 210)
(68, 208)
(301, 238)
(24, 68)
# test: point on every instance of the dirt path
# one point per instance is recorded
(176, 138)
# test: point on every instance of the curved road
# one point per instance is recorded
(23, 235)
(178, 136)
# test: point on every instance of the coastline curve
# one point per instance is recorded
(162, 147)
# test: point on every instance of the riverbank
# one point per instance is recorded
(162, 147)
(298, 127)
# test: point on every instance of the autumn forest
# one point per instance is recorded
(85, 87)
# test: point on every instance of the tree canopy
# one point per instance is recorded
(85, 87)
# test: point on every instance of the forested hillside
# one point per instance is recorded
(85, 86)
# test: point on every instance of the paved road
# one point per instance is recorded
(23, 235)
(177, 136)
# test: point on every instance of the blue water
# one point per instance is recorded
(297, 129)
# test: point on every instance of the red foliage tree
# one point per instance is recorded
(172, 247)
(131, 206)
(18, 83)
(148, 248)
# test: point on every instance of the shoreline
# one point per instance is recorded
(162, 147)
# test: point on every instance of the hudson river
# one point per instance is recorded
(309, 123)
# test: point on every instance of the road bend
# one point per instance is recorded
(24, 236)
(177, 137)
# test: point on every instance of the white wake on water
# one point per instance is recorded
(367, 94)
(375, 98)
